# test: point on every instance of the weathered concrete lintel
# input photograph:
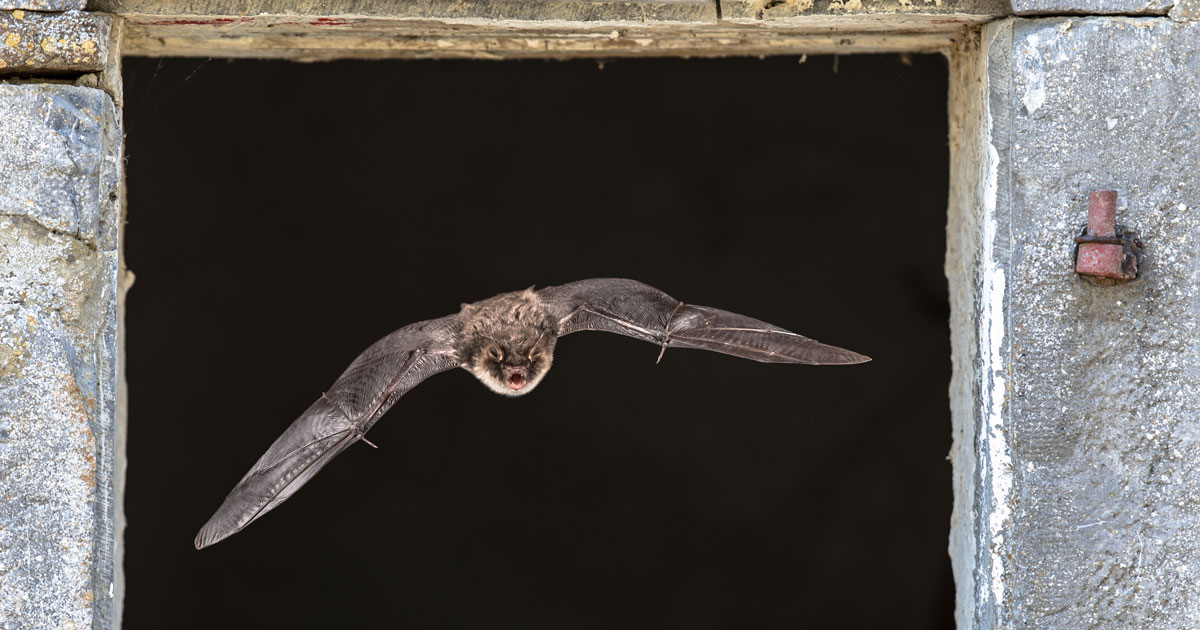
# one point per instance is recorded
(345, 29)
(547, 28)
(612, 43)
(279, 36)
(542, 11)
(57, 43)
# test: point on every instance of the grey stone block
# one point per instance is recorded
(1092, 7)
(1185, 10)
(770, 10)
(44, 5)
(57, 170)
(58, 353)
(1085, 511)
(50, 43)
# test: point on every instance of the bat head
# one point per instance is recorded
(512, 363)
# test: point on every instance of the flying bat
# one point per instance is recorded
(507, 342)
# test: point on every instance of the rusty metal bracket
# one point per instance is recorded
(1106, 253)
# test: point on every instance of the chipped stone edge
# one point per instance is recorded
(967, 89)
(110, 81)
(769, 11)
(107, 574)
(992, 450)
(978, 268)
(1067, 9)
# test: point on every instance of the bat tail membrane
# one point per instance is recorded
(315, 438)
(730, 333)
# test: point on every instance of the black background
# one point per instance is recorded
(284, 216)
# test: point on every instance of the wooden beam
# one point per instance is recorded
(342, 29)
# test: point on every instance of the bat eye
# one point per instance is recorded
(495, 354)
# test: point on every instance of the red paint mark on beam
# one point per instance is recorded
(329, 22)
(200, 22)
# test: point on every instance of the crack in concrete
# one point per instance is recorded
(46, 228)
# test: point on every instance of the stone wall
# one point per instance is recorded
(1076, 405)
(60, 173)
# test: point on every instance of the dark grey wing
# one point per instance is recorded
(631, 308)
(373, 383)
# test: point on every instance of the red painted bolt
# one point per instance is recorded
(1103, 253)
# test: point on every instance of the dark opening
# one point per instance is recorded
(285, 216)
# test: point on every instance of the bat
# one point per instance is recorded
(507, 342)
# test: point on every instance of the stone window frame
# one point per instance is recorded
(81, 43)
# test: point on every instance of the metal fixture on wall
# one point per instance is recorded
(1106, 253)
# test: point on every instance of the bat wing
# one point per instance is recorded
(634, 309)
(368, 388)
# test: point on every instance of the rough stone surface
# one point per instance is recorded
(58, 278)
(1185, 10)
(1086, 506)
(44, 5)
(968, 153)
(40, 43)
(776, 10)
(539, 10)
(1092, 7)
(57, 181)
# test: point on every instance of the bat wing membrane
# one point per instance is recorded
(368, 388)
(634, 309)
(397, 363)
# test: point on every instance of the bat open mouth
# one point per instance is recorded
(516, 380)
